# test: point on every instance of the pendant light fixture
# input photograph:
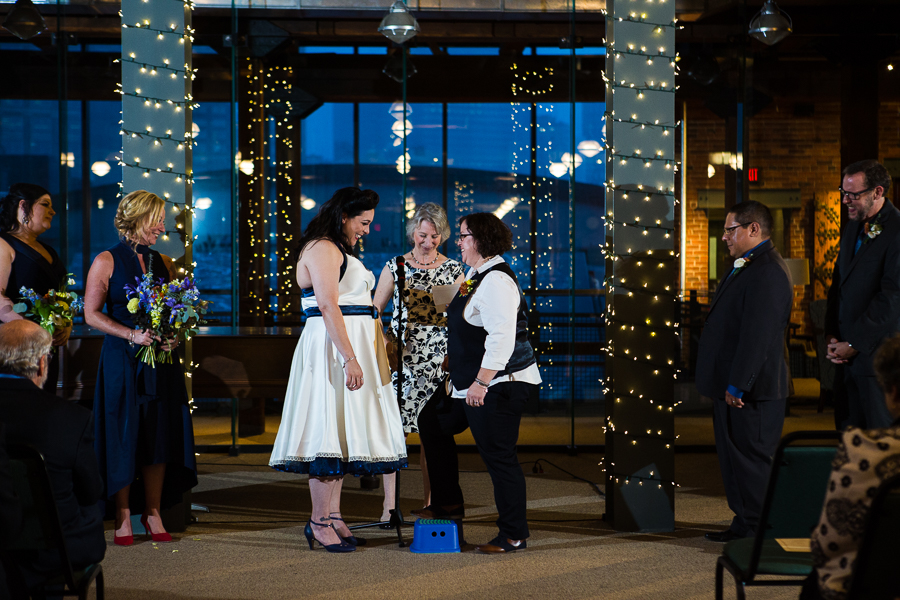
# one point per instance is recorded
(24, 20)
(771, 24)
(399, 25)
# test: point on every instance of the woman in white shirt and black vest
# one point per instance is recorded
(493, 371)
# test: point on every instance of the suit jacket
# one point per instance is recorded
(743, 340)
(64, 434)
(10, 509)
(864, 298)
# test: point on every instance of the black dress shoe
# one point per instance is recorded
(722, 536)
(500, 545)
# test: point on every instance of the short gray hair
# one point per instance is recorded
(435, 215)
(22, 345)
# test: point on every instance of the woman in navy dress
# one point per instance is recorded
(25, 261)
(142, 421)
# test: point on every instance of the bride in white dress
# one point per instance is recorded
(339, 416)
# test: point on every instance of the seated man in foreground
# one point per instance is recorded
(63, 433)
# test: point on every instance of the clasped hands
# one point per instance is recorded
(839, 352)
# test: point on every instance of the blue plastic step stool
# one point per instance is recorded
(434, 536)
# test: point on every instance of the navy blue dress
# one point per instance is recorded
(141, 414)
(31, 270)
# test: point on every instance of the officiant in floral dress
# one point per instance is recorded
(424, 329)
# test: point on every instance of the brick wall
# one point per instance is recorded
(791, 152)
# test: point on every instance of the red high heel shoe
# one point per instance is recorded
(123, 540)
(156, 537)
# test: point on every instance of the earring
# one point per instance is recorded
(26, 221)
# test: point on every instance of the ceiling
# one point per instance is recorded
(713, 45)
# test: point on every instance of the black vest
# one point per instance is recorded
(465, 344)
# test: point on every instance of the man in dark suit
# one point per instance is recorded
(10, 508)
(864, 299)
(741, 366)
(63, 433)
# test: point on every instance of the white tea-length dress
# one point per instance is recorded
(327, 429)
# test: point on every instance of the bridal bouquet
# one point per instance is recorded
(172, 311)
(54, 310)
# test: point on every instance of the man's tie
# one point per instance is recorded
(860, 238)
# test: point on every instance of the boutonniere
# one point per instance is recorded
(873, 230)
(741, 263)
(467, 287)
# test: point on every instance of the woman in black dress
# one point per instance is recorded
(142, 423)
(26, 212)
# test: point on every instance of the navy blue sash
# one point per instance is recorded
(351, 310)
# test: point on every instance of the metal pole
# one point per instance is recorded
(62, 50)
(235, 200)
(572, 222)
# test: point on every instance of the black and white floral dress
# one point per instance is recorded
(424, 335)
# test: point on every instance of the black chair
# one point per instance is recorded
(791, 509)
(875, 574)
(41, 528)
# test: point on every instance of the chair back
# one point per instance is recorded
(41, 528)
(875, 573)
(796, 488)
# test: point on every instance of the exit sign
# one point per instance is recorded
(754, 175)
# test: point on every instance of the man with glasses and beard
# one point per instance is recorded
(741, 363)
(864, 299)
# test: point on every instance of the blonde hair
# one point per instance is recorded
(22, 345)
(136, 210)
(432, 213)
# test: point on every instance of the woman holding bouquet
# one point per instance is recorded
(339, 415)
(142, 422)
(25, 261)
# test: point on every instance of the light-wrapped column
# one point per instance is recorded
(641, 265)
(157, 133)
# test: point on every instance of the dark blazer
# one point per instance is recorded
(743, 340)
(864, 298)
(10, 509)
(64, 434)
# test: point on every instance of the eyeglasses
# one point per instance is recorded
(854, 196)
(460, 237)
(730, 230)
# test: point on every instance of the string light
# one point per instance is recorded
(270, 224)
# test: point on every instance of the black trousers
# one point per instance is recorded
(865, 399)
(495, 427)
(746, 440)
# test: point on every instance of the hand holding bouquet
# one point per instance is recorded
(172, 311)
(54, 310)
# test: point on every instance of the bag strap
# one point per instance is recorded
(401, 286)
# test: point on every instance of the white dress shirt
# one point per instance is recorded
(494, 306)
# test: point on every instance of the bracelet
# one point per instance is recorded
(349, 359)
(131, 339)
(481, 383)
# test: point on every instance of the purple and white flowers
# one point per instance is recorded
(173, 311)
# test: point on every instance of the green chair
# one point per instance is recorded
(791, 509)
(875, 574)
(41, 528)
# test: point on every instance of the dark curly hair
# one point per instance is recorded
(9, 205)
(887, 363)
(492, 236)
(349, 202)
